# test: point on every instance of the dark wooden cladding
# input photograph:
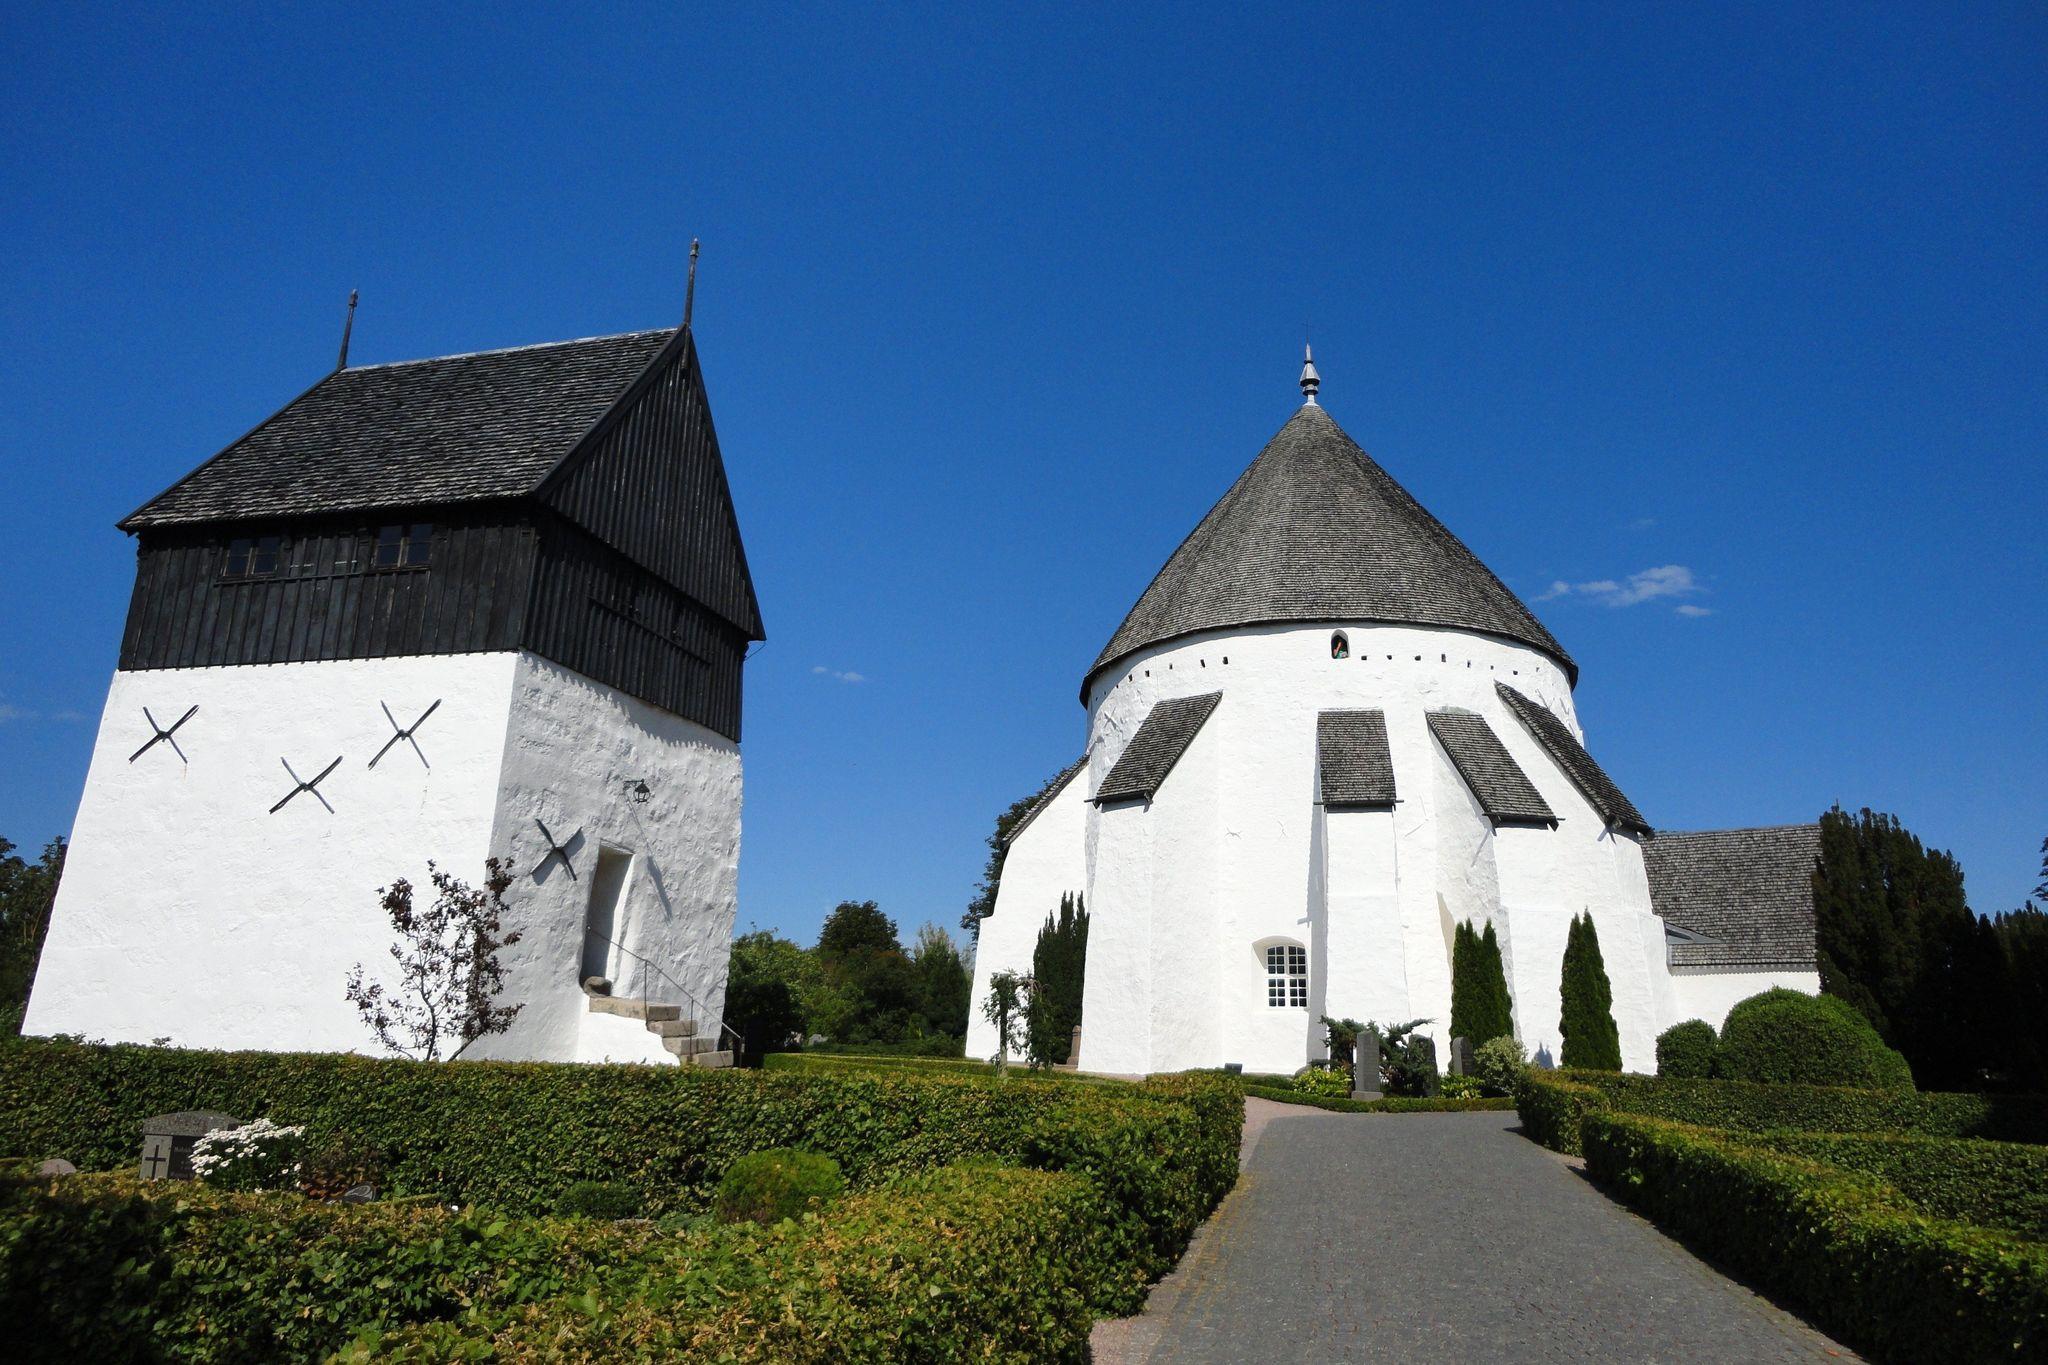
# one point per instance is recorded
(651, 483)
(598, 612)
(326, 602)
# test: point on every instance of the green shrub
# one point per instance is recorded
(1842, 1247)
(1686, 1051)
(599, 1199)
(1552, 1102)
(1499, 1063)
(1322, 1080)
(1391, 1104)
(767, 1187)
(1992, 1184)
(1461, 1088)
(1786, 1037)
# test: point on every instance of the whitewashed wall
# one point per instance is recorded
(1703, 993)
(1044, 862)
(188, 912)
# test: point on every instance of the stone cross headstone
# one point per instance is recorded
(167, 1141)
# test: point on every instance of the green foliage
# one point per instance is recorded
(1342, 1035)
(1480, 1008)
(1004, 1008)
(771, 988)
(1058, 965)
(1552, 1103)
(984, 903)
(1591, 1038)
(782, 1182)
(1499, 1063)
(448, 973)
(1407, 1058)
(1686, 1051)
(1992, 1184)
(925, 1046)
(870, 989)
(609, 1199)
(1322, 1080)
(26, 893)
(256, 1156)
(1787, 1037)
(819, 1061)
(1846, 1249)
(1461, 1087)
(1386, 1105)
(944, 986)
(856, 927)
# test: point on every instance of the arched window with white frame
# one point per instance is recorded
(1286, 976)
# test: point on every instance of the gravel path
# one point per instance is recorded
(1427, 1237)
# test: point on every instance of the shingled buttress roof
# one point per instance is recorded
(1503, 790)
(1563, 746)
(1162, 738)
(1743, 898)
(1315, 530)
(1354, 766)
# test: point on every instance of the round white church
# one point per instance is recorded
(1325, 736)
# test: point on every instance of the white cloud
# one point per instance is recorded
(1665, 580)
(1642, 523)
(9, 712)
(1690, 609)
(838, 675)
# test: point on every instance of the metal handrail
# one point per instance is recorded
(695, 1004)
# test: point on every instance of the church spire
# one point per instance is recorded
(1310, 380)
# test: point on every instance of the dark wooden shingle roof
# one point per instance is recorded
(1315, 530)
(1747, 892)
(1162, 738)
(1353, 764)
(1563, 746)
(419, 433)
(1502, 788)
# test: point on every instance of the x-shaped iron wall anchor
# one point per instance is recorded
(556, 849)
(162, 734)
(405, 733)
(305, 786)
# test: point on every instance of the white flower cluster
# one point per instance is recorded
(221, 1149)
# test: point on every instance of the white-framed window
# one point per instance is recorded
(1286, 976)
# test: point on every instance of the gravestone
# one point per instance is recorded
(1461, 1056)
(56, 1166)
(1073, 1062)
(167, 1141)
(359, 1194)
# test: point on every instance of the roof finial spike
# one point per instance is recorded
(1310, 380)
(349, 325)
(690, 294)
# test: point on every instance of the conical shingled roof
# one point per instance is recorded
(1315, 530)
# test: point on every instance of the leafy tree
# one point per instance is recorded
(1591, 1039)
(768, 986)
(27, 891)
(869, 992)
(1898, 941)
(1058, 965)
(1480, 1010)
(984, 903)
(1007, 992)
(944, 987)
(856, 926)
(448, 968)
(2022, 1033)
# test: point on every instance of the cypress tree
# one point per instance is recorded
(1466, 987)
(1058, 967)
(1591, 1039)
(1499, 1021)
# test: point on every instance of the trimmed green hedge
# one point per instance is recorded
(1787, 1037)
(839, 1063)
(1396, 1104)
(1685, 1052)
(1842, 1247)
(997, 1264)
(1993, 1184)
(1552, 1102)
(516, 1136)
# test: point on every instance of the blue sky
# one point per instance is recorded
(1746, 299)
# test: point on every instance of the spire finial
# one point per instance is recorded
(347, 326)
(1310, 380)
(690, 294)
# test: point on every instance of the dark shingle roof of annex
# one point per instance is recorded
(1162, 737)
(1354, 766)
(1586, 774)
(1503, 790)
(1315, 530)
(461, 428)
(1748, 891)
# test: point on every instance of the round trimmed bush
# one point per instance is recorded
(599, 1199)
(1322, 1080)
(1499, 1063)
(769, 1186)
(1787, 1037)
(1685, 1052)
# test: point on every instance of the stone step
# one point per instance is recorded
(690, 1045)
(672, 1028)
(634, 1009)
(709, 1059)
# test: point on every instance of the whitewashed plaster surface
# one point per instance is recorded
(188, 912)
(1045, 862)
(1234, 853)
